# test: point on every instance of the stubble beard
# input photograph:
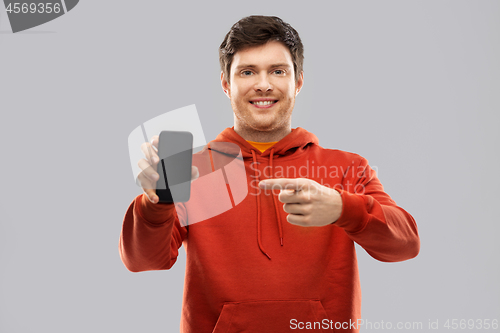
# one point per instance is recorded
(281, 119)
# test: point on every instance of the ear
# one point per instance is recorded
(299, 83)
(225, 85)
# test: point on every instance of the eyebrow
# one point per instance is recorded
(254, 66)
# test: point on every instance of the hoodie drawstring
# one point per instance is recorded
(258, 210)
(278, 215)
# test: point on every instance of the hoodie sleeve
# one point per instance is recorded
(151, 236)
(373, 220)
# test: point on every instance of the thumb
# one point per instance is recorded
(195, 173)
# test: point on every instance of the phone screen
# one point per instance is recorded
(175, 150)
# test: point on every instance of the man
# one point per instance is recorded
(283, 258)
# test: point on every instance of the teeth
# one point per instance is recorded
(263, 103)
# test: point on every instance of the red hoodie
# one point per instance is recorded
(248, 269)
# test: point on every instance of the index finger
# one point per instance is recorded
(150, 153)
(295, 184)
(154, 141)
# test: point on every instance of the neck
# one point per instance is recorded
(251, 134)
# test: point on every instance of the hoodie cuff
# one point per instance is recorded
(354, 212)
(154, 213)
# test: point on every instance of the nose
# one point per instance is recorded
(263, 83)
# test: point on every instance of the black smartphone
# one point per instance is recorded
(175, 150)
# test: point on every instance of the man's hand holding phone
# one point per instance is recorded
(149, 176)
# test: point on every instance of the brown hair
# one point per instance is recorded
(257, 30)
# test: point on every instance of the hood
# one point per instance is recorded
(294, 143)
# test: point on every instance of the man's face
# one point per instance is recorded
(263, 87)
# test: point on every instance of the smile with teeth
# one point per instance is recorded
(263, 103)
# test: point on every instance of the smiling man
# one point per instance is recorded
(262, 86)
(284, 258)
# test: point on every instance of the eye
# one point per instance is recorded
(279, 72)
(246, 73)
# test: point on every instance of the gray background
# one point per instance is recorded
(411, 85)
